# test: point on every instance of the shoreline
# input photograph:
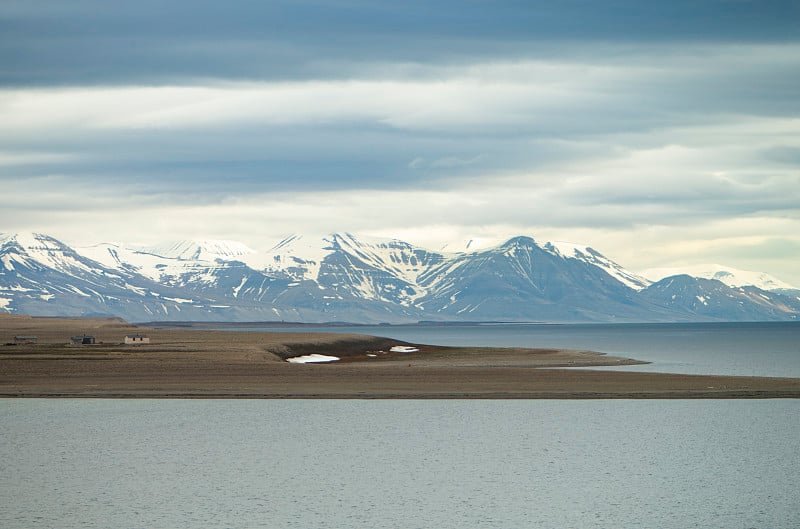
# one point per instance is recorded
(197, 364)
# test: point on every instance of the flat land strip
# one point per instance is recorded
(194, 363)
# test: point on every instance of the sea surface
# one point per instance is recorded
(749, 349)
(160, 463)
(335, 464)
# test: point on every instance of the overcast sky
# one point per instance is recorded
(659, 133)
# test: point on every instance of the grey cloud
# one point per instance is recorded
(102, 42)
(783, 154)
(687, 200)
(555, 92)
(446, 162)
(775, 248)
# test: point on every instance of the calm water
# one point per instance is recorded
(749, 349)
(399, 464)
(424, 464)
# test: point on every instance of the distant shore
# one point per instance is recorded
(194, 363)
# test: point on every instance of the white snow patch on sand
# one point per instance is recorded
(312, 359)
(403, 349)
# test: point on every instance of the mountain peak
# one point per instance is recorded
(193, 249)
(521, 241)
(32, 240)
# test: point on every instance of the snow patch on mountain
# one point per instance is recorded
(402, 259)
(176, 257)
(36, 249)
(199, 250)
(299, 257)
(151, 265)
(591, 256)
(173, 263)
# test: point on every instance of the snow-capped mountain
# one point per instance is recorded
(711, 298)
(41, 276)
(732, 277)
(342, 277)
(175, 264)
(520, 279)
(302, 257)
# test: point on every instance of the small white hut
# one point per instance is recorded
(136, 339)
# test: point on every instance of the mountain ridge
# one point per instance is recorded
(343, 277)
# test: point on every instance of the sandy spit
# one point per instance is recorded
(193, 363)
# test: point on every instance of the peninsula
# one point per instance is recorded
(89, 357)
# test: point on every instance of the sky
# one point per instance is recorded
(662, 134)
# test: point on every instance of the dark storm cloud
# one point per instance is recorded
(146, 42)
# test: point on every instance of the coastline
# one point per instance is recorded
(192, 363)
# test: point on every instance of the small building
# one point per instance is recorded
(83, 340)
(136, 339)
(25, 340)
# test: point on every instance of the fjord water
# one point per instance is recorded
(417, 464)
(743, 348)
(399, 464)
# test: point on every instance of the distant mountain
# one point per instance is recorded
(342, 277)
(733, 277)
(521, 280)
(704, 299)
(41, 276)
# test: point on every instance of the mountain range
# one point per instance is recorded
(345, 278)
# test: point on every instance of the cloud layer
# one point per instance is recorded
(660, 134)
